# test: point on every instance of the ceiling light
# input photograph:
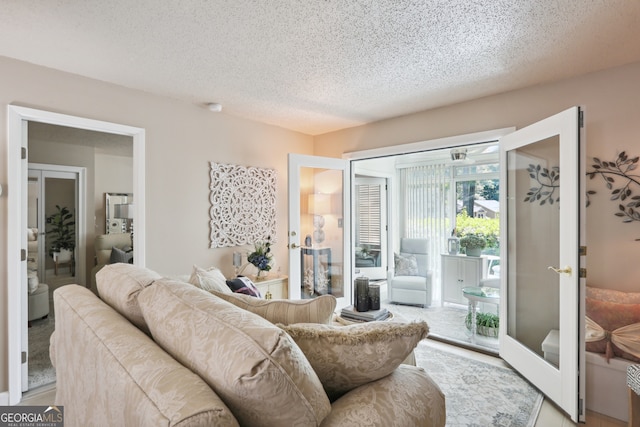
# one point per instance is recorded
(214, 106)
(458, 154)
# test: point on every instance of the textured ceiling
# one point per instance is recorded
(316, 66)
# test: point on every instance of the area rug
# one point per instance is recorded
(479, 394)
(41, 370)
(446, 322)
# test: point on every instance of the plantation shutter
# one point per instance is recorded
(368, 207)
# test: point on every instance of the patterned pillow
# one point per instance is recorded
(405, 265)
(316, 310)
(255, 368)
(211, 279)
(346, 357)
(244, 285)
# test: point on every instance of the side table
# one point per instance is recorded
(476, 294)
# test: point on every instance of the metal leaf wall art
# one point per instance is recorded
(548, 181)
(621, 182)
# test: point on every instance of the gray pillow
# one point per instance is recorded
(119, 255)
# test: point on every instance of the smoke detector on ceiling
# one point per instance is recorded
(214, 106)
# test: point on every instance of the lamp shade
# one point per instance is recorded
(123, 211)
(319, 203)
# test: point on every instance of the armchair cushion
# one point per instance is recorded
(346, 357)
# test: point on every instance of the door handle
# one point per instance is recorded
(567, 270)
(293, 246)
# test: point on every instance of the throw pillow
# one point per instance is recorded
(119, 255)
(209, 280)
(611, 295)
(405, 265)
(244, 285)
(611, 316)
(346, 357)
(316, 310)
(255, 368)
(32, 281)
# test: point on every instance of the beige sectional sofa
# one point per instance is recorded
(153, 351)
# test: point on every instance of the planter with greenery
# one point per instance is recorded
(61, 226)
(487, 324)
(473, 244)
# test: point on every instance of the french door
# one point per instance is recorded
(319, 235)
(541, 233)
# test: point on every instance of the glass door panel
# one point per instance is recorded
(318, 239)
(534, 238)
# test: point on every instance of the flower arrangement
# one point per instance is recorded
(261, 257)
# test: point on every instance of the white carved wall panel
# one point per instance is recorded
(243, 205)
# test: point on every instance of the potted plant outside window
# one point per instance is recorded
(61, 227)
(487, 324)
(473, 244)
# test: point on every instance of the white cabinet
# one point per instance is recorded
(460, 271)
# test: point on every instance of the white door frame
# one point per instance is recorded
(17, 118)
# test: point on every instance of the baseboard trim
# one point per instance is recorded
(4, 398)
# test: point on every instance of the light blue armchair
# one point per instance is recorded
(414, 288)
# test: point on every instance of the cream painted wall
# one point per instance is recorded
(612, 106)
(181, 138)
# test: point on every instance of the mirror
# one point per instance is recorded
(118, 212)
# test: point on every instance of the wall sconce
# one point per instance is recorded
(458, 154)
(319, 204)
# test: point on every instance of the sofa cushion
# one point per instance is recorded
(244, 285)
(406, 397)
(346, 357)
(103, 362)
(119, 286)
(254, 366)
(210, 279)
(316, 310)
